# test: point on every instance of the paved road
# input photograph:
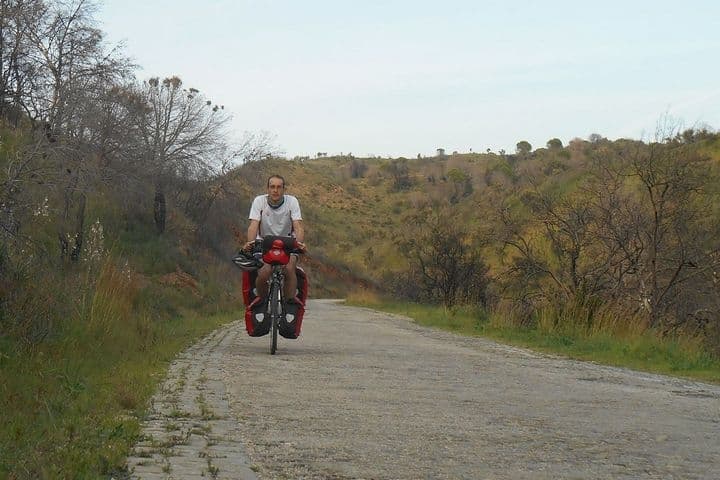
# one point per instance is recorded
(366, 395)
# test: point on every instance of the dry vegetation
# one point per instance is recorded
(616, 233)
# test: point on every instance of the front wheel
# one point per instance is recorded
(273, 347)
(274, 315)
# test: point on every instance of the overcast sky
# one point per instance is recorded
(402, 77)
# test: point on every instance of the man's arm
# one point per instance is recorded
(254, 226)
(252, 233)
(297, 224)
(299, 232)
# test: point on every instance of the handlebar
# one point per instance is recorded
(268, 242)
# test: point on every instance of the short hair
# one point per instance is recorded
(275, 176)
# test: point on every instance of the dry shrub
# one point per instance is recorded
(113, 298)
(619, 323)
(29, 314)
(34, 301)
(713, 339)
(514, 312)
(363, 296)
(127, 395)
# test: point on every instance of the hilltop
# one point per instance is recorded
(357, 209)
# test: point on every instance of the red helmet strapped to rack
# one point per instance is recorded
(276, 250)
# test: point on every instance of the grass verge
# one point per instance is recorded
(72, 406)
(641, 351)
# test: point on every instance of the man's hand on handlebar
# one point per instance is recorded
(250, 246)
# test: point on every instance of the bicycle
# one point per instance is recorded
(275, 251)
(272, 314)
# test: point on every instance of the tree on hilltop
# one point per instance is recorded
(554, 144)
(523, 147)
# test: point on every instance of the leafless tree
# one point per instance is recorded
(183, 135)
(445, 258)
(70, 56)
(400, 173)
(357, 168)
(672, 179)
(14, 65)
(56, 72)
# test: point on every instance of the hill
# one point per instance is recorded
(591, 225)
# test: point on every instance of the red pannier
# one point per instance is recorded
(257, 320)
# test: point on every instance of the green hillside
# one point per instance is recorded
(602, 222)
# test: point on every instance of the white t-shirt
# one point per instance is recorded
(275, 221)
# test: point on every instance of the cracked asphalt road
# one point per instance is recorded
(368, 395)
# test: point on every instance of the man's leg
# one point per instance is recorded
(261, 284)
(290, 278)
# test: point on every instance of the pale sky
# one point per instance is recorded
(402, 77)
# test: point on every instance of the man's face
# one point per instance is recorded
(276, 190)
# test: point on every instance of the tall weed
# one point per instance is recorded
(113, 297)
(586, 318)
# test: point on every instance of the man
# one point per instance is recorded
(276, 214)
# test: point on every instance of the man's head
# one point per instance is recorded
(276, 190)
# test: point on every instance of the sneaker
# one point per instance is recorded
(257, 301)
(295, 300)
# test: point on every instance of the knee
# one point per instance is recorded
(263, 274)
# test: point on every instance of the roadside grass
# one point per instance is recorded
(630, 348)
(72, 404)
(71, 408)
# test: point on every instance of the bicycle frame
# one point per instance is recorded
(275, 307)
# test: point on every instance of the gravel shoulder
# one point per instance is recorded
(369, 395)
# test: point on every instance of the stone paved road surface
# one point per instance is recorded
(366, 395)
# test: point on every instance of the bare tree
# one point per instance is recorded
(567, 226)
(70, 55)
(357, 168)
(183, 136)
(15, 69)
(55, 67)
(617, 231)
(672, 179)
(445, 258)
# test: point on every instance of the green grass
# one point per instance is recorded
(645, 352)
(150, 253)
(71, 406)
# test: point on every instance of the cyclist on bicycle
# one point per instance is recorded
(276, 213)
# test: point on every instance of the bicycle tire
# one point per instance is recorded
(274, 315)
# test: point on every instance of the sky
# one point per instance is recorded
(402, 77)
